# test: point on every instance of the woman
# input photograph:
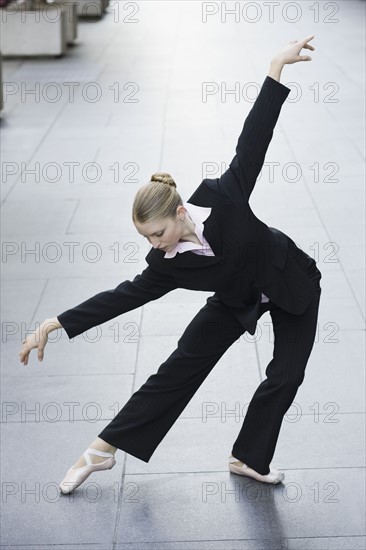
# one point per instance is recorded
(212, 242)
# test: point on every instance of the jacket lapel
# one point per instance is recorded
(189, 259)
(212, 234)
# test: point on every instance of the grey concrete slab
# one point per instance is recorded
(51, 150)
(193, 445)
(24, 134)
(356, 277)
(222, 505)
(64, 71)
(85, 355)
(84, 546)
(336, 543)
(13, 155)
(64, 399)
(61, 170)
(351, 256)
(251, 544)
(87, 516)
(97, 215)
(35, 217)
(15, 313)
(343, 312)
(336, 284)
(11, 170)
(170, 128)
(315, 440)
(322, 151)
(352, 233)
(86, 255)
(352, 208)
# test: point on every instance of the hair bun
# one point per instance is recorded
(163, 177)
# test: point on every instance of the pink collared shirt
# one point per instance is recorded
(198, 214)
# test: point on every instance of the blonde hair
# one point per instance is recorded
(157, 199)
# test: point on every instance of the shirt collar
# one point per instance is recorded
(198, 215)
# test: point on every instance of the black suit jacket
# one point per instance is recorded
(250, 257)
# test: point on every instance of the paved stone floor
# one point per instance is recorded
(147, 89)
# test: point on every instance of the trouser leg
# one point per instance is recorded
(294, 338)
(151, 411)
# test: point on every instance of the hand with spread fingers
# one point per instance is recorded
(291, 52)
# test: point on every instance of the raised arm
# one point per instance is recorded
(106, 305)
(255, 137)
(238, 181)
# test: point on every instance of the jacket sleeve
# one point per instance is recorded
(238, 181)
(149, 285)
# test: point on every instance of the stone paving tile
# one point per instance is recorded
(87, 354)
(121, 254)
(336, 543)
(344, 313)
(195, 446)
(35, 217)
(336, 284)
(220, 544)
(313, 443)
(214, 506)
(93, 173)
(348, 234)
(34, 459)
(191, 446)
(14, 312)
(170, 128)
(82, 546)
(103, 215)
(356, 278)
(64, 399)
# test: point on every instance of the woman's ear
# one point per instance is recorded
(181, 212)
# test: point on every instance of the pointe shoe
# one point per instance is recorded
(76, 477)
(274, 476)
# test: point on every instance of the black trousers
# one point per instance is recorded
(151, 411)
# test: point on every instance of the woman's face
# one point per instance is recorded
(163, 233)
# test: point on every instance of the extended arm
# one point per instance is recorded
(238, 181)
(106, 305)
